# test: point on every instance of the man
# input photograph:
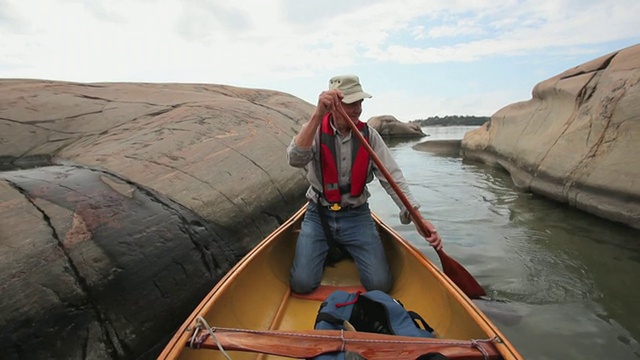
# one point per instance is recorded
(338, 168)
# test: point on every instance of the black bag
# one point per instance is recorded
(374, 311)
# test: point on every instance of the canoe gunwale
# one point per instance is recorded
(484, 322)
(183, 335)
(176, 344)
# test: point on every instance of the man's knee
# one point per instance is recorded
(301, 285)
(301, 289)
(382, 283)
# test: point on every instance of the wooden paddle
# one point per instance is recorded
(305, 344)
(458, 274)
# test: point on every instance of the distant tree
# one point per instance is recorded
(452, 120)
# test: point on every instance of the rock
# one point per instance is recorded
(440, 147)
(389, 126)
(144, 195)
(576, 140)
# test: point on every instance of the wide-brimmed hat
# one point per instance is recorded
(350, 87)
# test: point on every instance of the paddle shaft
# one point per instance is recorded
(456, 272)
(405, 201)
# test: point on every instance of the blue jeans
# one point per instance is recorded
(353, 228)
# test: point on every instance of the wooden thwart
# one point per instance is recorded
(310, 343)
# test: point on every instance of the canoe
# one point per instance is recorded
(252, 314)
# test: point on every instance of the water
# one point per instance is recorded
(571, 279)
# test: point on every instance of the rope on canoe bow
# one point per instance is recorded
(475, 344)
(200, 321)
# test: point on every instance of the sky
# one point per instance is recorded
(417, 58)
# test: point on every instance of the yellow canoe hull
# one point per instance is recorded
(255, 295)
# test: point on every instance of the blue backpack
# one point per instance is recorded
(373, 311)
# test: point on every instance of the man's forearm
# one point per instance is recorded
(304, 139)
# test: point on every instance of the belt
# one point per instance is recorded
(336, 207)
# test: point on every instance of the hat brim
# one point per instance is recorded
(351, 98)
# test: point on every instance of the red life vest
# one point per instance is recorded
(359, 156)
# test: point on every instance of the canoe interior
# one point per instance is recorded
(256, 295)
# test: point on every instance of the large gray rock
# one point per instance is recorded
(145, 195)
(576, 140)
(450, 148)
(389, 126)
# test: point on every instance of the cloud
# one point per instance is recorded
(9, 22)
(465, 27)
(517, 30)
(203, 19)
(105, 11)
(408, 106)
(264, 42)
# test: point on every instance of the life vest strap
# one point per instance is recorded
(344, 189)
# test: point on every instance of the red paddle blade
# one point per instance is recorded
(460, 276)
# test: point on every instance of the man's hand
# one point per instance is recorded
(328, 101)
(434, 238)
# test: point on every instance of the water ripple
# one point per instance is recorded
(552, 262)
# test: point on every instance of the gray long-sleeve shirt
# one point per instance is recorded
(309, 159)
